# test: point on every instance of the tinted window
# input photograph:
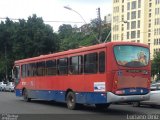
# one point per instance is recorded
(76, 65)
(63, 66)
(51, 67)
(41, 68)
(90, 63)
(131, 56)
(102, 62)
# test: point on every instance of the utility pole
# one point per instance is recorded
(99, 24)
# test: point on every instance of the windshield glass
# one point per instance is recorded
(131, 56)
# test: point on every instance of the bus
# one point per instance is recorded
(98, 75)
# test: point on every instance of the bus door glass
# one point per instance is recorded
(16, 74)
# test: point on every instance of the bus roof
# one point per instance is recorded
(73, 51)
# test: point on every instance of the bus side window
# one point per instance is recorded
(80, 64)
(16, 74)
(63, 66)
(23, 67)
(102, 62)
(90, 63)
(73, 66)
(51, 67)
(41, 68)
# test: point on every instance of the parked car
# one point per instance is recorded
(9, 87)
(154, 97)
(2, 86)
(155, 86)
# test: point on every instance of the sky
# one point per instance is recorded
(53, 10)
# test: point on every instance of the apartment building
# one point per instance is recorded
(137, 21)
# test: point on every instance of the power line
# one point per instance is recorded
(1, 18)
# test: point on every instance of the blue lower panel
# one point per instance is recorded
(47, 95)
(18, 92)
(81, 97)
(91, 97)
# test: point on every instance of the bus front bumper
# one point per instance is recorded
(112, 98)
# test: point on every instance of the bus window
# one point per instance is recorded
(90, 63)
(63, 66)
(102, 62)
(16, 74)
(23, 71)
(131, 56)
(73, 67)
(41, 68)
(51, 67)
(80, 64)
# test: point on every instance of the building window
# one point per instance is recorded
(138, 24)
(133, 25)
(128, 6)
(133, 4)
(139, 3)
(128, 35)
(133, 34)
(128, 25)
(128, 15)
(133, 15)
(139, 13)
(138, 34)
(122, 8)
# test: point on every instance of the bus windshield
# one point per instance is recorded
(131, 56)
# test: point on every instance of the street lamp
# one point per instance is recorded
(111, 30)
(69, 8)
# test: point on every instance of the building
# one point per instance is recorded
(137, 21)
(107, 19)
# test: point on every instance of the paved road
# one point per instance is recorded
(9, 104)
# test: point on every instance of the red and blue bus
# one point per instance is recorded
(100, 74)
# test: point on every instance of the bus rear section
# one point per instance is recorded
(131, 74)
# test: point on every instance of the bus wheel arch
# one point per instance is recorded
(25, 95)
(71, 100)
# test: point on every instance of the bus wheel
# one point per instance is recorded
(102, 106)
(71, 101)
(25, 96)
(136, 104)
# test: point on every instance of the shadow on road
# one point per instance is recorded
(87, 108)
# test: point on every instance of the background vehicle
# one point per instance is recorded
(2, 86)
(101, 74)
(155, 86)
(153, 101)
(9, 87)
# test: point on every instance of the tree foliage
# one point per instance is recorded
(24, 39)
(31, 37)
(155, 67)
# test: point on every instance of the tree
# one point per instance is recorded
(155, 66)
(24, 39)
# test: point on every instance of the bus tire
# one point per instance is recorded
(136, 104)
(71, 101)
(25, 96)
(102, 106)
